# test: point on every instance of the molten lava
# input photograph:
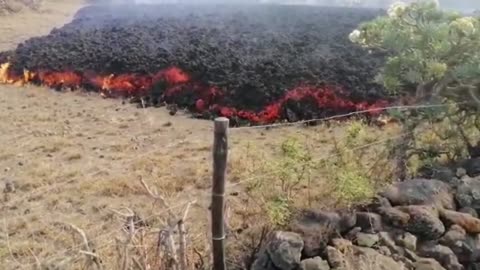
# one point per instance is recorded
(66, 79)
(176, 82)
(325, 98)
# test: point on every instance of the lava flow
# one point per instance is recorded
(176, 84)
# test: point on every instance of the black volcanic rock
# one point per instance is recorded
(253, 53)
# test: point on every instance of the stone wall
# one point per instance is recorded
(423, 224)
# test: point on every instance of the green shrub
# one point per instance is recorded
(433, 57)
(348, 169)
(278, 210)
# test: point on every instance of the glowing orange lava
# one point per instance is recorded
(177, 82)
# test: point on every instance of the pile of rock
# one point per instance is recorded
(423, 224)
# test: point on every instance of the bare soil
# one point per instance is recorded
(75, 157)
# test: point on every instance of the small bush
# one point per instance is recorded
(278, 210)
(291, 172)
(348, 169)
(446, 137)
(293, 167)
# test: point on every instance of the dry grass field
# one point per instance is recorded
(75, 158)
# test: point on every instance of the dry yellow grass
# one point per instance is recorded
(18, 27)
(62, 176)
(75, 157)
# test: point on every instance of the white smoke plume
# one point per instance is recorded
(461, 5)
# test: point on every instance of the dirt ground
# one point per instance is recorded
(75, 157)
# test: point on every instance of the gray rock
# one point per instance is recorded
(472, 166)
(462, 244)
(335, 258)
(369, 222)
(408, 241)
(316, 263)
(282, 251)
(461, 172)
(262, 262)
(423, 222)
(454, 234)
(473, 242)
(353, 233)
(456, 182)
(411, 255)
(475, 256)
(361, 258)
(474, 266)
(428, 264)
(441, 173)
(420, 192)
(366, 239)
(387, 240)
(377, 202)
(466, 221)
(468, 194)
(384, 251)
(341, 244)
(469, 210)
(382, 201)
(318, 227)
(394, 216)
(405, 261)
(442, 254)
(468, 251)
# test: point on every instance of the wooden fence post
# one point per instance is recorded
(220, 153)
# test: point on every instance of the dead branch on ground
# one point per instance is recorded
(176, 256)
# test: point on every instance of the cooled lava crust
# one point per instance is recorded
(259, 63)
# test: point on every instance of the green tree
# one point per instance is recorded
(432, 56)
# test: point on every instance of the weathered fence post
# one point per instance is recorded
(220, 153)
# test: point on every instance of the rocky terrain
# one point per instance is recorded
(422, 224)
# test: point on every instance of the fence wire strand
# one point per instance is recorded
(233, 187)
(132, 161)
(340, 116)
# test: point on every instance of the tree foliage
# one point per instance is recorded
(433, 56)
(432, 53)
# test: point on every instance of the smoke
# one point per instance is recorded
(462, 5)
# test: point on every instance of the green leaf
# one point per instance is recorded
(425, 44)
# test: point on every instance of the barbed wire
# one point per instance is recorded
(339, 116)
(49, 188)
(235, 185)
(271, 173)
(206, 194)
(133, 160)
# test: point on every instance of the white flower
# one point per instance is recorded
(355, 36)
(466, 25)
(437, 3)
(396, 9)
